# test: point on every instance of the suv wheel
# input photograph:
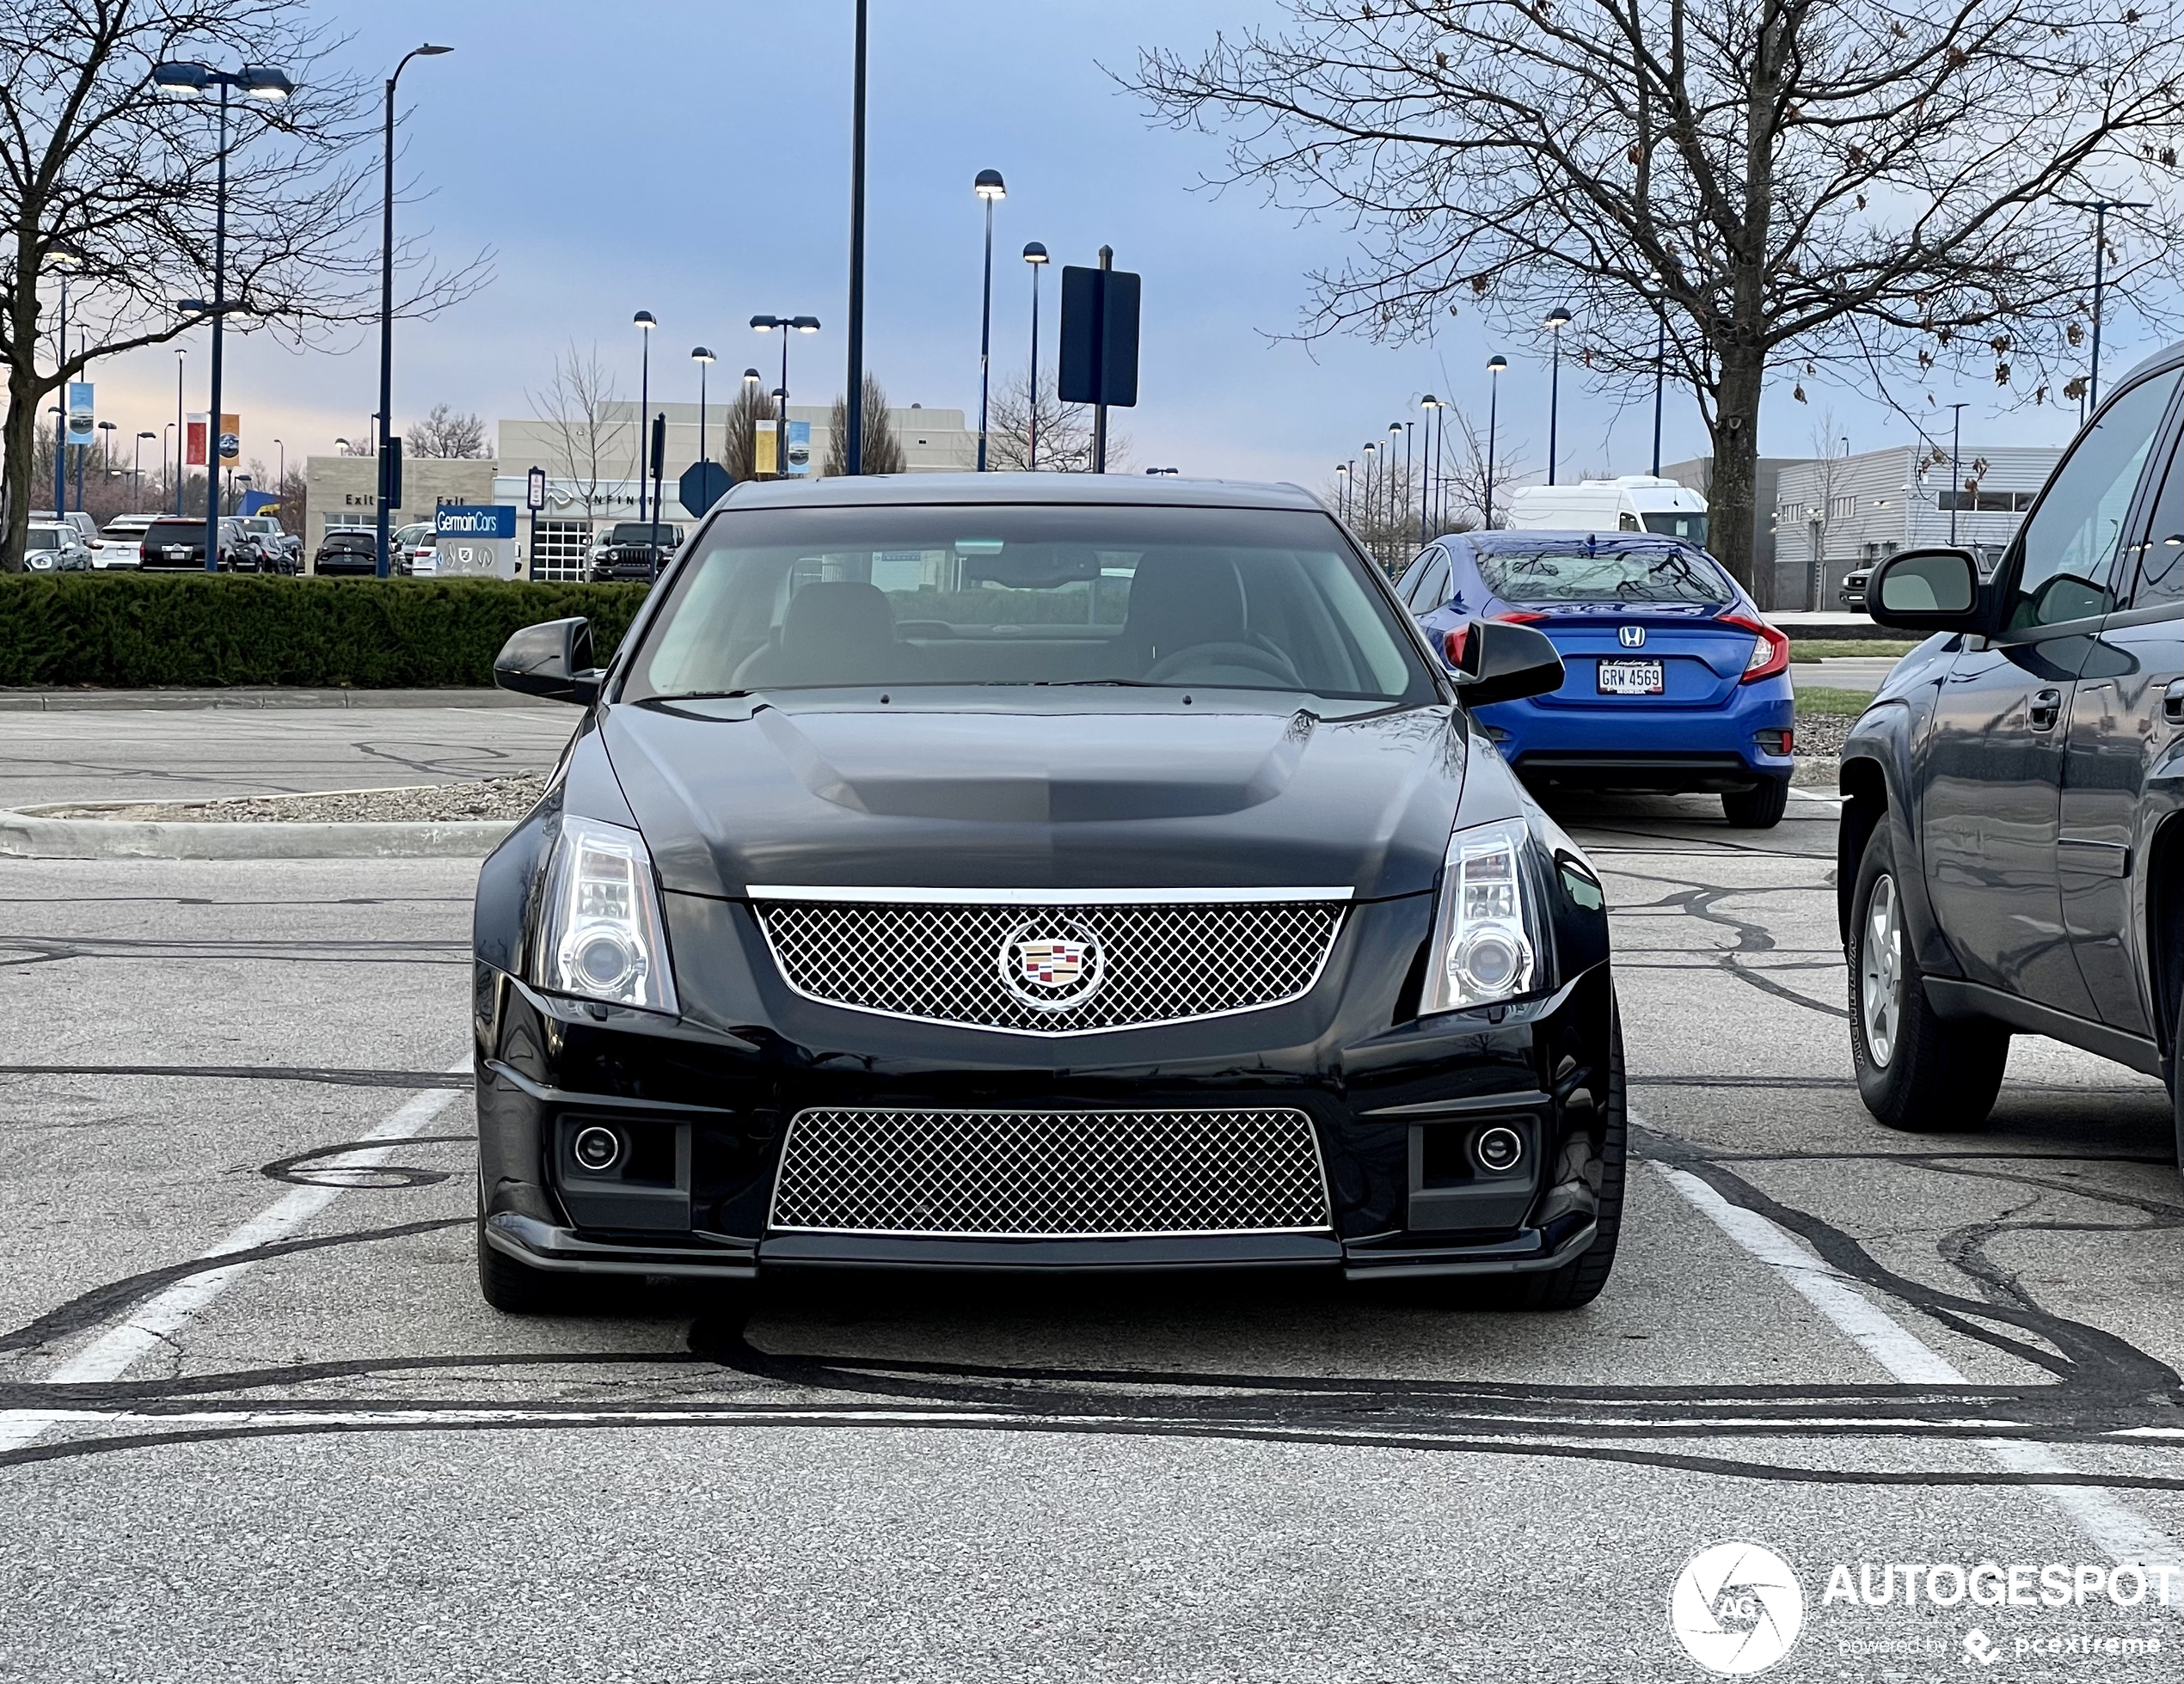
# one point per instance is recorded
(1915, 1070)
(1759, 809)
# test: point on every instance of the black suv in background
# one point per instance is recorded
(173, 545)
(626, 551)
(2011, 855)
(347, 549)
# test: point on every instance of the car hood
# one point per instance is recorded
(1115, 790)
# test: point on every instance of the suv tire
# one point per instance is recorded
(1917, 1071)
(1759, 809)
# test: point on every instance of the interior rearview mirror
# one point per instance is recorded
(553, 659)
(1495, 660)
(1931, 589)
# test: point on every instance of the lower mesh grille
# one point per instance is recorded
(1031, 1174)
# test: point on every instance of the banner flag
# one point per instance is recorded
(762, 452)
(230, 439)
(194, 452)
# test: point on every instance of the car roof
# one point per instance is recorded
(1142, 490)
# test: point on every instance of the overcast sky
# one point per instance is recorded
(692, 160)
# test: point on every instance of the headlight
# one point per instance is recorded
(1488, 941)
(41, 559)
(602, 937)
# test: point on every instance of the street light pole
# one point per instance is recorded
(1661, 369)
(989, 187)
(1410, 477)
(386, 311)
(853, 409)
(703, 358)
(1035, 255)
(1557, 319)
(1371, 455)
(1495, 365)
(643, 322)
(1956, 474)
(1427, 505)
(136, 474)
(2100, 207)
(1395, 492)
(63, 262)
(1341, 490)
(182, 432)
(767, 324)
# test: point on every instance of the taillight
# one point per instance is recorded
(1456, 645)
(1769, 648)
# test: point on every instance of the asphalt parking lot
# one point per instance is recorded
(256, 1423)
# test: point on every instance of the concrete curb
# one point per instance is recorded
(71, 701)
(26, 836)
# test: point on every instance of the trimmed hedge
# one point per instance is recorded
(144, 631)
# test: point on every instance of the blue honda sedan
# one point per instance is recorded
(1673, 681)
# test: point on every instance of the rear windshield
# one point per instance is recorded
(176, 532)
(1246, 599)
(1611, 576)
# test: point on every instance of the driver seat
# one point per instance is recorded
(1179, 599)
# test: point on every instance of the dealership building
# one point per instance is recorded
(592, 474)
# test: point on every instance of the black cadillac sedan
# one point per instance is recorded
(1039, 872)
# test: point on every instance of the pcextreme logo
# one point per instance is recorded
(1736, 1608)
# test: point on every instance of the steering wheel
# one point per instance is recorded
(1202, 655)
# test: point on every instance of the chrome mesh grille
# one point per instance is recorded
(1031, 1174)
(1156, 962)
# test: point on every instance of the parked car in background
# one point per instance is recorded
(1852, 594)
(86, 528)
(282, 550)
(416, 549)
(347, 549)
(175, 546)
(121, 542)
(53, 548)
(2011, 853)
(625, 551)
(1674, 682)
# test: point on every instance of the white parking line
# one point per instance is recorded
(161, 1317)
(2120, 1531)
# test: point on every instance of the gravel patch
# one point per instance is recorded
(1821, 733)
(423, 804)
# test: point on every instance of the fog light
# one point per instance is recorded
(1774, 741)
(598, 1149)
(1499, 1150)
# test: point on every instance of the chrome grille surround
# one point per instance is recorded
(1049, 1174)
(1158, 956)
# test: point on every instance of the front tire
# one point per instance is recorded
(514, 1288)
(1917, 1071)
(1759, 809)
(1580, 1281)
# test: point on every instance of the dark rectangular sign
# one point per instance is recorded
(1099, 359)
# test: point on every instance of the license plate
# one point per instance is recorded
(1631, 678)
(174, 554)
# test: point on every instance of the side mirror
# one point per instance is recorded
(553, 660)
(1927, 591)
(1495, 660)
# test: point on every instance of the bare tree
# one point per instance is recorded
(1065, 432)
(444, 434)
(739, 431)
(1789, 185)
(103, 177)
(883, 452)
(588, 445)
(1468, 479)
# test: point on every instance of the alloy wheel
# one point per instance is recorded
(1881, 969)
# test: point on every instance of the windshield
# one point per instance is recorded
(640, 532)
(1679, 524)
(1611, 576)
(44, 538)
(1246, 599)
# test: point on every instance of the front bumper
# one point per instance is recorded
(707, 1103)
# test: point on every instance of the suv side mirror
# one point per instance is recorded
(1495, 660)
(553, 660)
(1927, 591)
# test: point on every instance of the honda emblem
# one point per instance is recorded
(1631, 637)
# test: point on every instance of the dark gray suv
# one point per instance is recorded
(2011, 856)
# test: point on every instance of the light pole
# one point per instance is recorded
(766, 324)
(1388, 474)
(853, 405)
(1557, 319)
(1496, 365)
(136, 474)
(703, 358)
(1035, 255)
(1410, 474)
(188, 79)
(1661, 369)
(63, 260)
(389, 468)
(989, 187)
(1956, 474)
(1371, 455)
(643, 322)
(1428, 505)
(1342, 490)
(164, 430)
(345, 447)
(2100, 207)
(181, 432)
(108, 428)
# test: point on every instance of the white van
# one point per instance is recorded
(1632, 502)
